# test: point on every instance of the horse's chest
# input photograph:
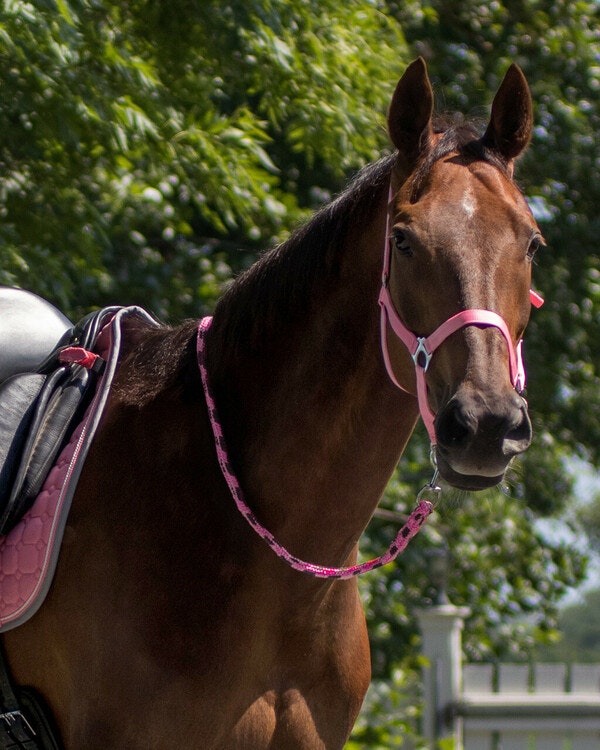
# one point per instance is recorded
(292, 720)
(296, 693)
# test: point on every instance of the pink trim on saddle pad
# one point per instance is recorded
(26, 551)
(29, 552)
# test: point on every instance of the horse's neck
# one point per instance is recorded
(315, 426)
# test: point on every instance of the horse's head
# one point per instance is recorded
(462, 238)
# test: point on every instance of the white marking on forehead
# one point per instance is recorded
(469, 203)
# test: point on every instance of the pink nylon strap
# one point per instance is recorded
(416, 519)
(422, 348)
(76, 355)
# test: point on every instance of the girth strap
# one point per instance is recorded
(25, 721)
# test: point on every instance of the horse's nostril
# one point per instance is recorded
(521, 432)
(518, 438)
(461, 426)
(452, 428)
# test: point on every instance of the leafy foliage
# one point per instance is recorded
(580, 641)
(149, 150)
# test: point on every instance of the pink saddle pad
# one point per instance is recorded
(29, 552)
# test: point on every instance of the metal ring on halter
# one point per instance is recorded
(431, 492)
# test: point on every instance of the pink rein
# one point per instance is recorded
(406, 533)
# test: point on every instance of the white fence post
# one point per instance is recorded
(441, 630)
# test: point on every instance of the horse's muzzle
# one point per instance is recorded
(477, 438)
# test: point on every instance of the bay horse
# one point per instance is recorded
(170, 623)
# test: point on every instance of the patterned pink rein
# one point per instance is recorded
(416, 519)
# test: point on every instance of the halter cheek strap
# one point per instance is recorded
(422, 348)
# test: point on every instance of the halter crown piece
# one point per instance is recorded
(421, 350)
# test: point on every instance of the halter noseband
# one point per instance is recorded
(422, 348)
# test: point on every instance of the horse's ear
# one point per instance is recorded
(409, 116)
(511, 122)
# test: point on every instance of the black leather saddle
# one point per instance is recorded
(30, 329)
(42, 397)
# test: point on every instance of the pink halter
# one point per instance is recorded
(422, 348)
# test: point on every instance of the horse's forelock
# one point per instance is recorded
(464, 138)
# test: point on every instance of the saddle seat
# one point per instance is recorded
(30, 330)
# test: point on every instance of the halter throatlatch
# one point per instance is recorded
(422, 348)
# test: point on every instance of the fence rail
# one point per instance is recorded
(537, 707)
(504, 706)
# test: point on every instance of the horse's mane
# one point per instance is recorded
(280, 286)
(158, 360)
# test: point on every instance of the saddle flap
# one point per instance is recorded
(18, 397)
(56, 411)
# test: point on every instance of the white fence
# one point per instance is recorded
(503, 707)
(543, 707)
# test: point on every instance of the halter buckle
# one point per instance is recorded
(421, 356)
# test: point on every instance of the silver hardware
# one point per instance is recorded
(13, 717)
(421, 354)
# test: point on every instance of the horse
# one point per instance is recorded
(170, 622)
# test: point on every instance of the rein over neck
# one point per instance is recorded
(407, 532)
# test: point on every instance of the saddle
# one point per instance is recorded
(49, 415)
(55, 380)
(39, 409)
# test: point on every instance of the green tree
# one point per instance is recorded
(580, 641)
(150, 150)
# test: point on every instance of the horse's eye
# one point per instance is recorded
(534, 244)
(401, 243)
